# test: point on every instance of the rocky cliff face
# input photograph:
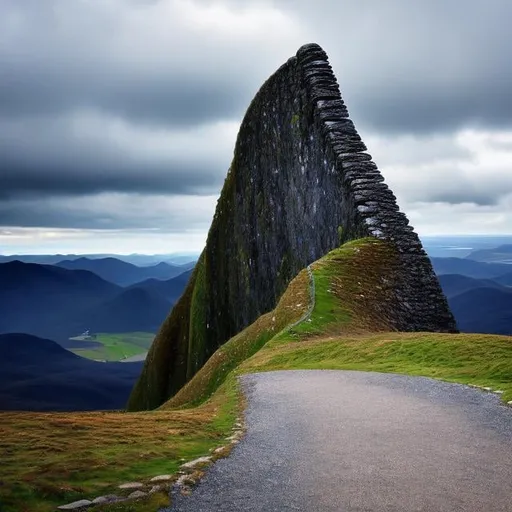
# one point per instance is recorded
(300, 184)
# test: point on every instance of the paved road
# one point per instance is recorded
(354, 441)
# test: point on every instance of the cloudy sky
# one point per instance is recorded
(118, 117)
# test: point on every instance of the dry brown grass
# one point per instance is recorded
(55, 458)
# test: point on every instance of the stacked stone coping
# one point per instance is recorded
(421, 302)
(374, 201)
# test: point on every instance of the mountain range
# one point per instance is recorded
(120, 272)
(111, 295)
(479, 296)
(141, 260)
(54, 302)
(503, 253)
(470, 268)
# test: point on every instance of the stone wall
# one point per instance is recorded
(300, 184)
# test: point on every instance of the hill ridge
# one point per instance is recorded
(120, 272)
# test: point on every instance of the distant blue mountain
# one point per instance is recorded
(141, 260)
(56, 303)
(503, 254)
(469, 267)
(455, 284)
(484, 310)
(481, 305)
(122, 273)
(505, 279)
(171, 289)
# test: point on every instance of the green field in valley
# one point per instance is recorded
(116, 347)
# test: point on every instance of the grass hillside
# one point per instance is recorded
(334, 319)
(348, 330)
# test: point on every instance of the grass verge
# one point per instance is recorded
(478, 359)
(50, 459)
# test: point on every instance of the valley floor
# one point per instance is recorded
(131, 346)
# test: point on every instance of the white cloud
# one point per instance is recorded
(77, 241)
(468, 166)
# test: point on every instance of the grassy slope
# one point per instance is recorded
(343, 333)
(60, 457)
(291, 308)
(53, 459)
(118, 346)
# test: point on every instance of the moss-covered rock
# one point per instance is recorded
(300, 184)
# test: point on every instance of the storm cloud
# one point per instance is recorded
(122, 114)
(90, 153)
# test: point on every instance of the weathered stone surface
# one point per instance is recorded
(161, 478)
(135, 495)
(76, 505)
(193, 464)
(182, 481)
(109, 498)
(131, 485)
(294, 192)
(155, 488)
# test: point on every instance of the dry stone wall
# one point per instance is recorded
(300, 184)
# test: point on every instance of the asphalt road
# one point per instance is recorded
(354, 441)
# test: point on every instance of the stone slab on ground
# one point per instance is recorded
(161, 478)
(194, 463)
(109, 498)
(131, 485)
(136, 495)
(76, 505)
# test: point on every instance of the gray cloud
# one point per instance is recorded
(471, 196)
(124, 96)
(87, 153)
(450, 184)
(143, 61)
(424, 66)
(145, 96)
(111, 212)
